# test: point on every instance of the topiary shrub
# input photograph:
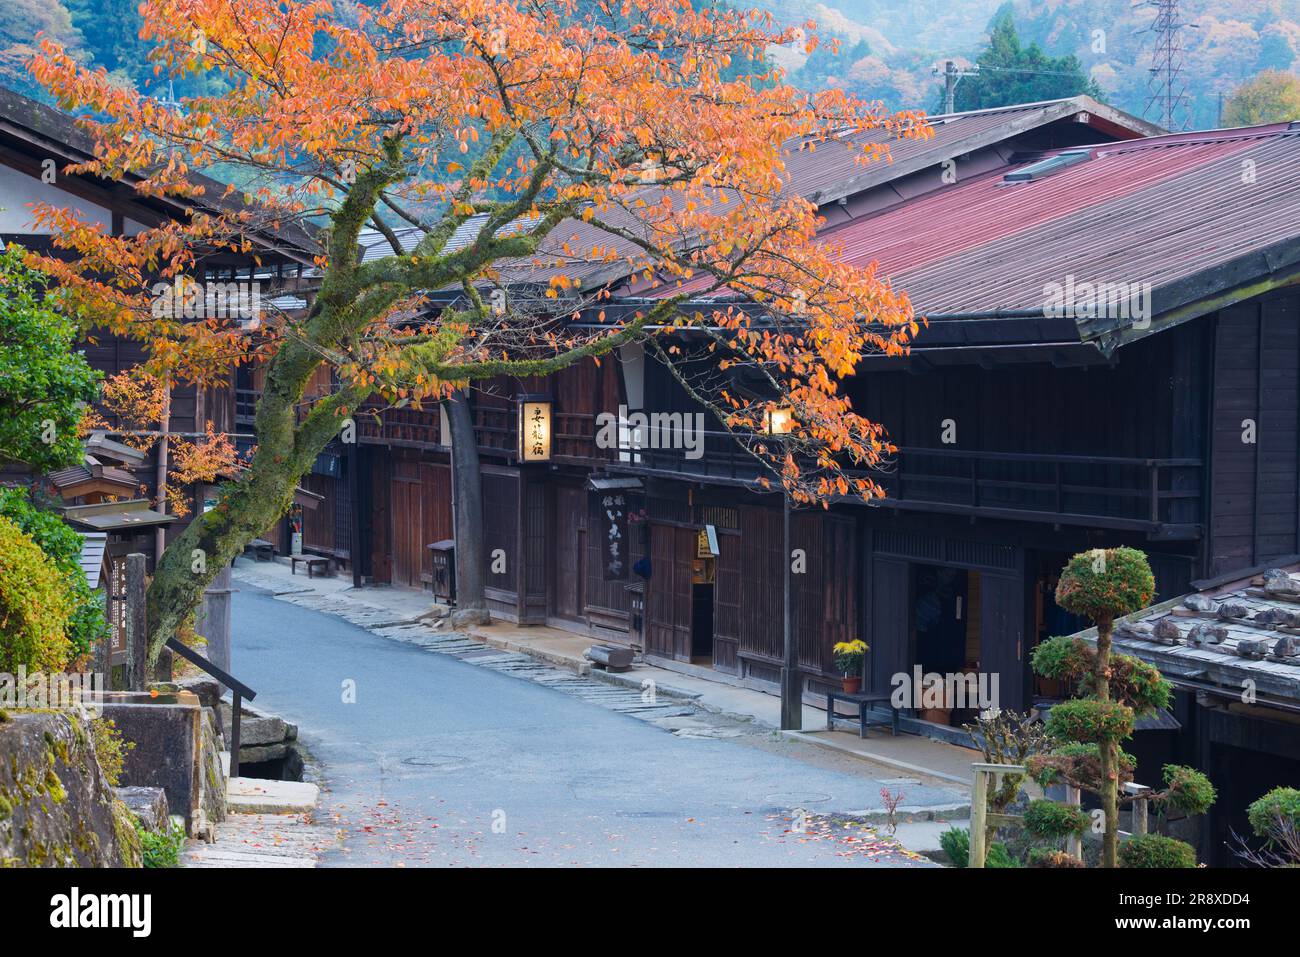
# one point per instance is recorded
(1090, 721)
(34, 606)
(1102, 584)
(1187, 790)
(1156, 850)
(1051, 820)
(1106, 583)
(1272, 815)
(1078, 764)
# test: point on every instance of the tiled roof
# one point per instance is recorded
(1246, 630)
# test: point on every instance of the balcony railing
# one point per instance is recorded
(1158, 496)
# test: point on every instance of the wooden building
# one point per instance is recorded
(37, 142)
(712, 542)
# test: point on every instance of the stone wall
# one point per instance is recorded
(56, 807)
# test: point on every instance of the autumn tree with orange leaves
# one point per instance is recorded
(593, 141)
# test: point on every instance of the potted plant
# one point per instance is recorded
(848, 659)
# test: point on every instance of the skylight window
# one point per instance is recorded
(1044, 168)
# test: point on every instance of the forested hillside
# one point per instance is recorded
(888, 48)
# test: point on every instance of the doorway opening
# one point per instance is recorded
(945, 642)
(703, 577)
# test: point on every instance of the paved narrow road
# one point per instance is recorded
(445, 762)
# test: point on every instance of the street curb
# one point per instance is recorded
(632, 681)
(583, 669)
(875, 758)
(915, 813)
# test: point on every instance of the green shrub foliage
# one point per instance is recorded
(34, 606)
(87, 624)
(1089, 720)
(45, 383)
(1078, 764)
(1051, 820)
(1274, 812)
(1187, 790)
(1156, 850)
(162, 848)
(1132, 682)
(955, 842)
(1105, 583)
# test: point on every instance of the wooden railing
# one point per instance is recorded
(1148, 494)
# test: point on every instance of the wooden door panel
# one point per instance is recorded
(1002, 616)
(890, 622)
(569, 552)
(684, 554)
(659, 626)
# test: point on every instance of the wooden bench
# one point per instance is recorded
(340, 556)
(864, 700)
(263, 551)
(311, 561)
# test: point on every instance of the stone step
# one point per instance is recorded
(260, 796)
(262, 840)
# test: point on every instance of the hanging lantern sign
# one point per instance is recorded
(534, 428)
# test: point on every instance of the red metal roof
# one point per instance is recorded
(832, 170)
(1152, 211)
(1155, 211)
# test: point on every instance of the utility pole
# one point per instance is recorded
(951, 77)
(791, 680)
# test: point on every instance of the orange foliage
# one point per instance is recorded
(611, 145)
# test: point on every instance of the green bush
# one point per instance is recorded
(60, 542)
(1104, 584)
(1088, 720)
(1188, 790)
(110, 748)
(45, 381)
(162, 848)
(1156, 850)
(955, 842)
(1273, 812)
(1051, 820)
(34, 606)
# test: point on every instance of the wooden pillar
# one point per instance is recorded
(137, 628)
(791, 681)
(1141, 805)
(979, 808)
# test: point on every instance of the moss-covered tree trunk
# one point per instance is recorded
(1108, 753)
(285, 452)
